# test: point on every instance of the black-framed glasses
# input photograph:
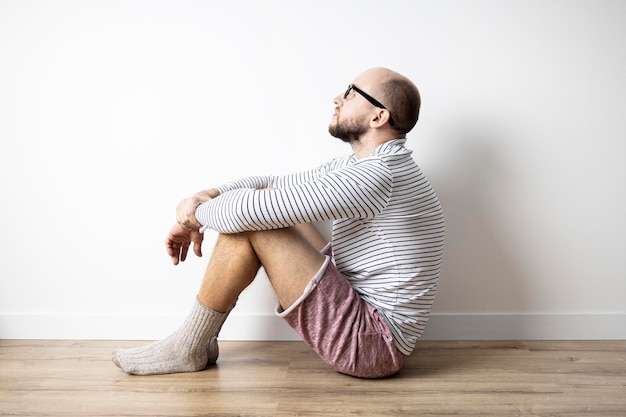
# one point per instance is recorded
(369, 98)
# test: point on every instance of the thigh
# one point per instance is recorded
(310, 233)
(290, 261)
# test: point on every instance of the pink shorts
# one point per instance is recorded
(346, 332)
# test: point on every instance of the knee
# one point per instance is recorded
(236, 250)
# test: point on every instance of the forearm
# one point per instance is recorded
(234, 212)
(272, 202)
(339, 195)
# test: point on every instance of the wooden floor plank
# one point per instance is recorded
(280, 379)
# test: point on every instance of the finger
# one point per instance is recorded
(169, 246)
(174, 255)
(183, 251)
(197, 243)
(172, 249)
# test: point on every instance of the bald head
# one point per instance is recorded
(399, 95)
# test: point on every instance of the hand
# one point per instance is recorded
(186, 209)
(178, 241)
(186, 212)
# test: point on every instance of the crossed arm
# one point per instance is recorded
(186, 229)
(360, 191)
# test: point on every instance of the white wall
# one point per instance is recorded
(112, 111)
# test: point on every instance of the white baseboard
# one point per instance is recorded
(526, 327)
(134, 327)
(270, 327)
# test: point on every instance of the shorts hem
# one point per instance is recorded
(282, 313)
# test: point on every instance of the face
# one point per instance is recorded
(349, 121)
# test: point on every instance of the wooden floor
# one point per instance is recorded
(77, 378)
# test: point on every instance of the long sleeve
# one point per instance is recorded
(328, 192)
(283, 181)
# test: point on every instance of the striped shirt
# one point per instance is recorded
(388, 226)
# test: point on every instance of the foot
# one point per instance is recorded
(167, 356)
(186, 350)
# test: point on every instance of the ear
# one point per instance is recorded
(379, 118)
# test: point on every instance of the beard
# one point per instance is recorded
(349, 131)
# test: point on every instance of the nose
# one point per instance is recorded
(338, 100)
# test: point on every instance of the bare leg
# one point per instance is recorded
(310, 233)
(233, 266)
(290, 261)
(291, 257)
(235, 263)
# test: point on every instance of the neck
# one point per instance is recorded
(368, 143)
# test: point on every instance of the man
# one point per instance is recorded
(360, 301)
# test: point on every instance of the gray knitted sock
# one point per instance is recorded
(185, 350)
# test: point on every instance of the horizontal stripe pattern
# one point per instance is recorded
(388, 226)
